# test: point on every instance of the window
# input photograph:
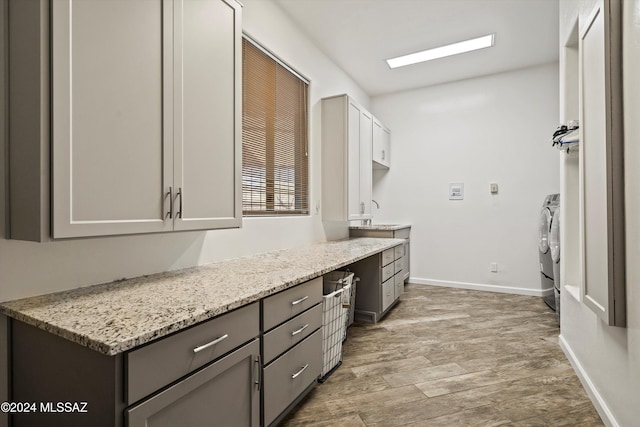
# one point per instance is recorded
(274, 136)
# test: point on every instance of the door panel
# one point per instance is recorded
(206, 133)
(108, 141)
(222, 394)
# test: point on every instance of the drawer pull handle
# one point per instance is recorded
(294, 333)
(212, 343)
(258, 382)
(294, 376)
(300, 300)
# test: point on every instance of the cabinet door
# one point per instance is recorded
(111, 130)
(601, 165)
(225, 393)
(381, 146)
(207, 114)
(355, 208)
(365, 175)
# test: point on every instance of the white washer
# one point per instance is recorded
(554, 248)
(547, 215)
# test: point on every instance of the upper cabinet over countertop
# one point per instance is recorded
(143, 123)
(352, 141)
(381, 145)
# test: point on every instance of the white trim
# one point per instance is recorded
(246, 36)
(481, 287)
(597, 400)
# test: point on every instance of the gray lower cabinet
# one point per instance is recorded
(227, 371)
(225, 393)
(290, 376)
(400, 233)
(292, 347)
(381, 283)
(206, 375)
(153, 366)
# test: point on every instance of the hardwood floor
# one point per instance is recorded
(452, 357)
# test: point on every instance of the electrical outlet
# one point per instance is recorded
(494, 267)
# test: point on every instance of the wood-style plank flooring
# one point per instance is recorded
(452, 357)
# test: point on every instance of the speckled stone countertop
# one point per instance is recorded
(115, 317)
(380, 227)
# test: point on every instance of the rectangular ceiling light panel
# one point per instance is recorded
(442, 51)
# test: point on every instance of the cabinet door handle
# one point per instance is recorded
(170, 194)
(294, 376)
(212, 343)
(258, 382)
(382, 154)
(179, 194)
(361, 207)
(304, 298)
(294, 333)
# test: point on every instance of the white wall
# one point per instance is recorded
(477, 131)
(28, 269)
(608, 358)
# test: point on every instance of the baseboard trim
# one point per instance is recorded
(481, 287)
(592, 392)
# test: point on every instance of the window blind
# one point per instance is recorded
(274, 136)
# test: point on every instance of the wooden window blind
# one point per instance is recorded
(274, 136)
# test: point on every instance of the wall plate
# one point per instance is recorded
(456, 191)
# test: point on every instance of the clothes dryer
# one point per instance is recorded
(549, 207)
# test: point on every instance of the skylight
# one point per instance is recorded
(442, 51)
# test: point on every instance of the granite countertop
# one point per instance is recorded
(380, 227)
(115, 317)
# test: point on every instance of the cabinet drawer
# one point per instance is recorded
(154, 366)
(399, 283)
(388, 293)
(283, 306)
(388, 256)
(290, 375)
(398, 251)
(225, 393)
(398, 265)
(387, 272)
(292, 332)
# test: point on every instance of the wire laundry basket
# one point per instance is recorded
(336, 303)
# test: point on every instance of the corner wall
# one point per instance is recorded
(493, 129)
(607, 359)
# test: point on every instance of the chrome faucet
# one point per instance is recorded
(368, 220)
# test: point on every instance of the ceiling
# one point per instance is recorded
(359, 35)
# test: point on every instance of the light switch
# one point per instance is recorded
(494, 188)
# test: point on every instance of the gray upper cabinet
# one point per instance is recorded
(381, 146)
(145, 116)
(346, 159)
(207, 114)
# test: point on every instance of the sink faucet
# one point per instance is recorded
(368, 220)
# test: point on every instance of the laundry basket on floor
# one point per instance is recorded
(335, 310)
